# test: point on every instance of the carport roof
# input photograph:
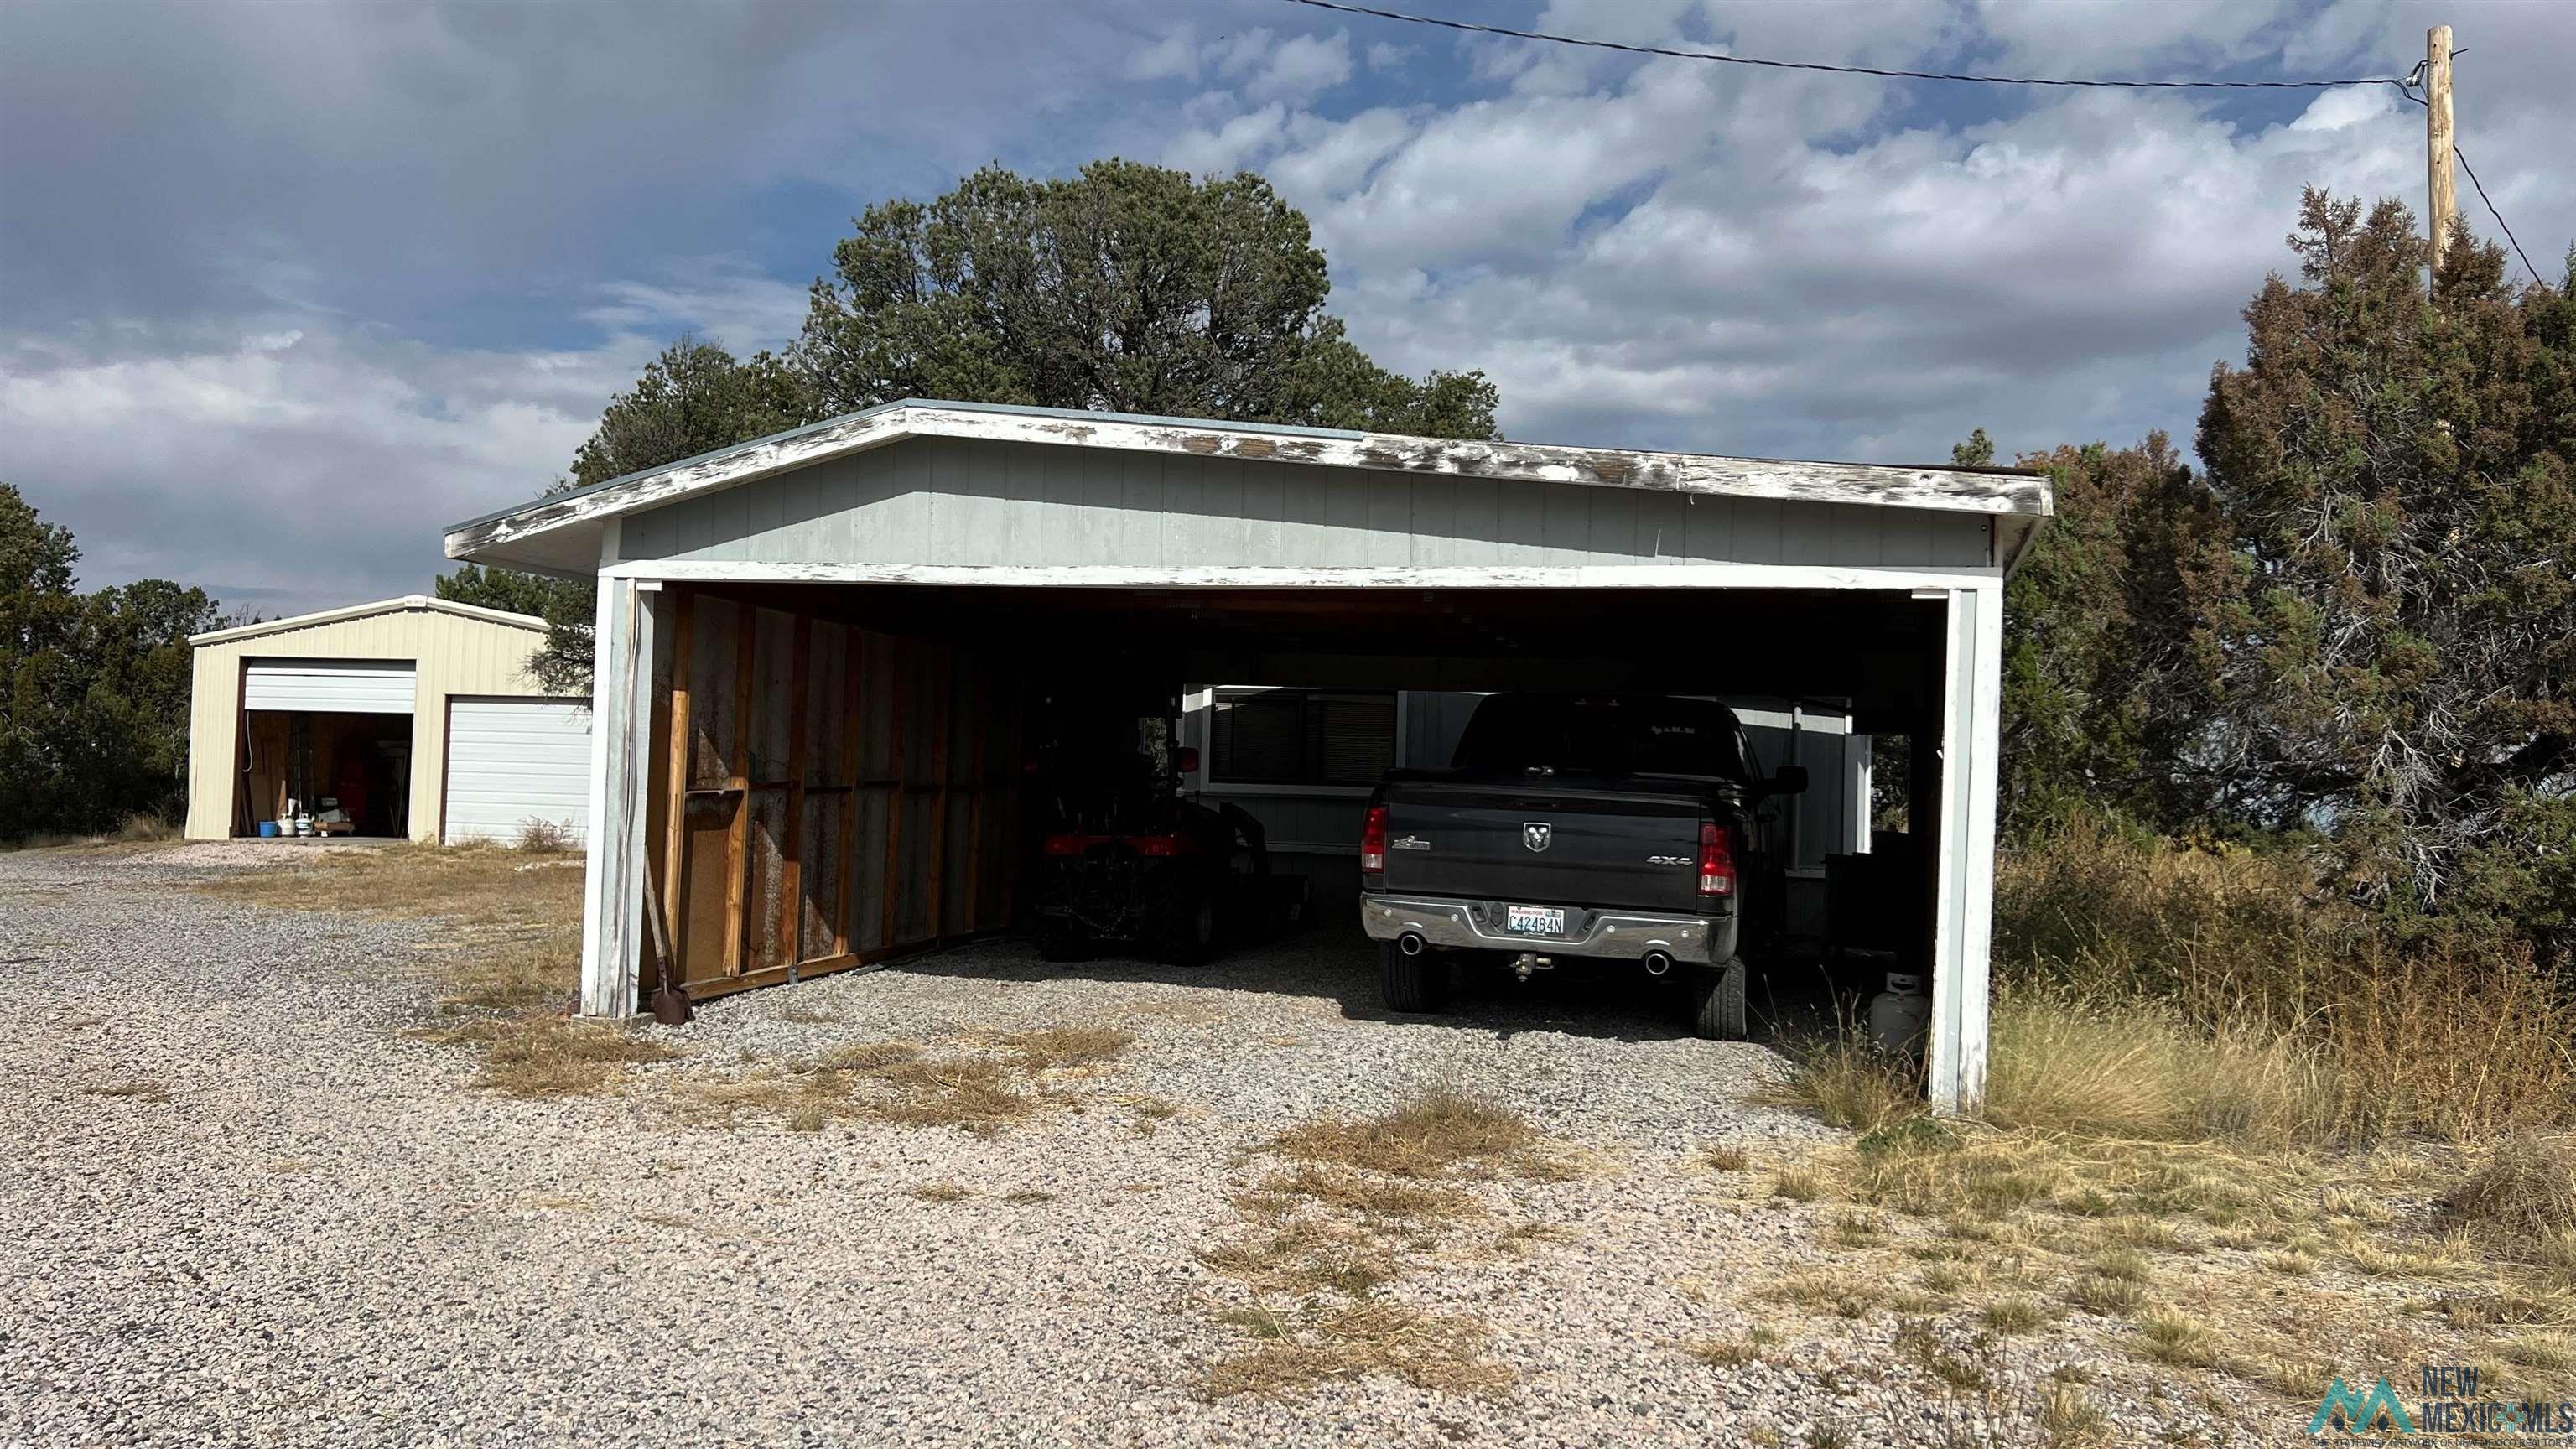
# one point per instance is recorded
(2004, 491)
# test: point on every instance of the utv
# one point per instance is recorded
(1127, 861)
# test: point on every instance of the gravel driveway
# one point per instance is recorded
(248, 1208)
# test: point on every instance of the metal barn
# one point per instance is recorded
(416, 716)
(814, 649)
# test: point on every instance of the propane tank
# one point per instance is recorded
(1899, 1014)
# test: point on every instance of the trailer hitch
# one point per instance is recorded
(1529, 961)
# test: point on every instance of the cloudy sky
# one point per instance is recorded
(284, 287)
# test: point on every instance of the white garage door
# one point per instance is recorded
(332, 686)
(510, 761)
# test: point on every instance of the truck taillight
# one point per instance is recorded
(1716, 860)
(1373, 842)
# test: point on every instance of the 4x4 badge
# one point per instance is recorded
(1537, 833)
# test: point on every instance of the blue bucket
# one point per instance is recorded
(268, 830)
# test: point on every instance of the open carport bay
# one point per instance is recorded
(855, 763)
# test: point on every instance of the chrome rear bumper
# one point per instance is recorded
(1617, 935)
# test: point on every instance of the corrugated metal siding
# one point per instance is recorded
(941, 501)
(338, 686)
(451, 655)
(510, 761)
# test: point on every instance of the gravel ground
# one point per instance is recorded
(324, 1236)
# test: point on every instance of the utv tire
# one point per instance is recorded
(1716, 998)
(1062, 941)
(1182, 929)
(1413, 985)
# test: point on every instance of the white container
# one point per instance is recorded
(1899, 1015)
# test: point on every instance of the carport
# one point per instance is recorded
(815, 650)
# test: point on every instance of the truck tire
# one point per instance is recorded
(1413, 985)
(1716, 998)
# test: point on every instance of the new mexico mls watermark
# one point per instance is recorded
(2448, 1402)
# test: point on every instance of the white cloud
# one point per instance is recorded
(724, 299)
(1174, 57)
(288, 466)
(1305, 65)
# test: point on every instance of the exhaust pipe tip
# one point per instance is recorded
(1658, 962)
(1410, 943)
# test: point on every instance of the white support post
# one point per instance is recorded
(1964, 836)
(1857, 810)
(621, 716)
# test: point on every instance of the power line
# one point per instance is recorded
(2480, 188)
(1931, 75)
(2402, 83)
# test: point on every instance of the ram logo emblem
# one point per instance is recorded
(1537, 833)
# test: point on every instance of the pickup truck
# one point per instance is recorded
(1578, 828)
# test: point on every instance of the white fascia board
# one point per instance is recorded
(1876, 484)
(1934, 581)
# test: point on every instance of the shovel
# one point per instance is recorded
(670, 1003)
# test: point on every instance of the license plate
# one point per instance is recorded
(1534, 920)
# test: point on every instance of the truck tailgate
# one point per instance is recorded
(1602, 848)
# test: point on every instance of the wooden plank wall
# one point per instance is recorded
(824, 796)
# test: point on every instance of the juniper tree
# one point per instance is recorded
(2388, 614)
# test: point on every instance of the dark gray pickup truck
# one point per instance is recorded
(1608, 828)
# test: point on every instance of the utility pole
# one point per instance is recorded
(2437, 138)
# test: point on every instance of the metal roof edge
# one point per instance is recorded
(566, 507)
(361, 611)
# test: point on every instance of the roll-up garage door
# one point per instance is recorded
(329, 686)
(510, 761)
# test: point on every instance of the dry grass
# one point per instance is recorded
(1057, 1047)
(1430, 1135)
(2220, 1117)
(1358, 1194)
(2549, 1352)
(2063, 1062)
(544, 837)
(1305, 1257)
(549, 1057)
(2524, 1194)
(2071, 1420)
(485, 885)
(972, 1094)
(2013, 1315)
(138, 834)
(889, 1081)
(1365, 1202)
(2170, 1336)
(2311, 1025)
(1827, 1290)
(1798, 1184)
(508, 979)
(131, 1091)
(940, 1192)
(1320, 1343)
(1723, 1352)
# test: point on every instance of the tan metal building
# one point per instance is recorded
(417, 715)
